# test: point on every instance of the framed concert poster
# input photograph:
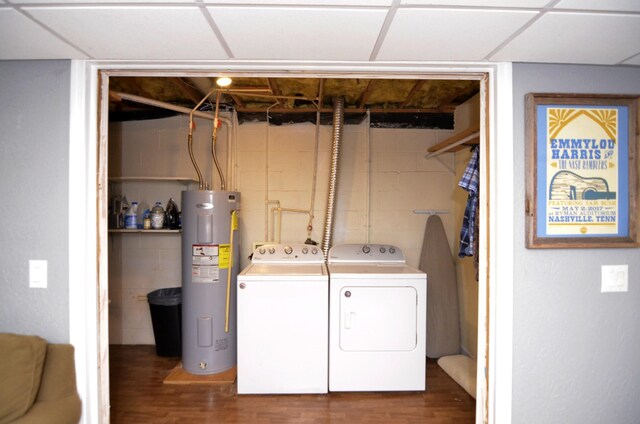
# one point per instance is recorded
(582, 170)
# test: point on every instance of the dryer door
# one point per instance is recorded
(378, 319)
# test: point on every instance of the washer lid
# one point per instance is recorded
(292, 270)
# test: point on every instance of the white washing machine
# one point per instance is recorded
(283, 321)
(377, 320)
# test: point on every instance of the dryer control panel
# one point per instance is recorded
(287, 253)
(366, 253)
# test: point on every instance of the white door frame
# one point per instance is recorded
(88, 229)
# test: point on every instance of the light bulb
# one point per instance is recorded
(223, 81)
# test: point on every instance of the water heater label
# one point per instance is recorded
(204, 264)
(205, 250)
(222, 344)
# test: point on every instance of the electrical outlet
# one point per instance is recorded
(38, 274)
(615, 278)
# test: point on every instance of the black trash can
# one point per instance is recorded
(166, 316)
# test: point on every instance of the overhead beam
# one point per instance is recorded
(366, 94)
(275, 89)
(346, 110)
(414, 90)
(237, 100)
(446, 103)
(320, 92)
(187, 90)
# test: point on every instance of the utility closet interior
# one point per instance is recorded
(405, 145)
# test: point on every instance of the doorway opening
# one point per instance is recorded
(105, 172)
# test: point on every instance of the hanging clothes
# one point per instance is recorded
(470, 182)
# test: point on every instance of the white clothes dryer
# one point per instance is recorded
(283, 320)
(377, 320)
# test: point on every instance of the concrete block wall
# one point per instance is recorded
(383, 178)
(142, 262)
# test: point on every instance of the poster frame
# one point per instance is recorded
(537, 168)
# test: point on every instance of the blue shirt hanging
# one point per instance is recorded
(470, 182)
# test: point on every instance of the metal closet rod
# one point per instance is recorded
(429, 212)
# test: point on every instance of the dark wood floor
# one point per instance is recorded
(139, 396)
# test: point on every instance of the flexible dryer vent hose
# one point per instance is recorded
(338, 123)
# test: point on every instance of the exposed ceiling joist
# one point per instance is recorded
(387, 99)
(189, 91)
(362, 101)
(416, 88)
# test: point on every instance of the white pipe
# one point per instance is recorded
(267, 202)
(367, 190)
(164, 105)
(272, 216)
(266, 183)
(315, 176)
(277, 212)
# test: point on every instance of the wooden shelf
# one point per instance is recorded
(457, 137)
(125, 231)
(181, 180)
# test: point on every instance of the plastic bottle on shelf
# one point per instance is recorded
(124, 207)
(146, 219)
(131, 217)
(172, 215)
(157, 216)
(142, 207)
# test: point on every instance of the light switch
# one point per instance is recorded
(615, 278)
(38, 274)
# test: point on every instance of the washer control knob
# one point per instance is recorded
(392, 250)
(242, 285)
(305, 250)
(366, 249)
(347, 294)
(314, 251)
(261, 250)
(272, 250)
(288, 250)
(382, 249)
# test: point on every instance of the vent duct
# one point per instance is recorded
(338, 124)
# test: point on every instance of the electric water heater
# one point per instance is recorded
(210, 263)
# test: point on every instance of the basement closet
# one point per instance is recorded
(393, 176)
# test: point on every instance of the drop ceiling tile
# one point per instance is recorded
(90, 2)
(612, 5)
(135, 32)
(635, 60)
(22, 38)
(603, 39)
(449, 34)
(305, 2)
(299, 33)
(481, 3)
